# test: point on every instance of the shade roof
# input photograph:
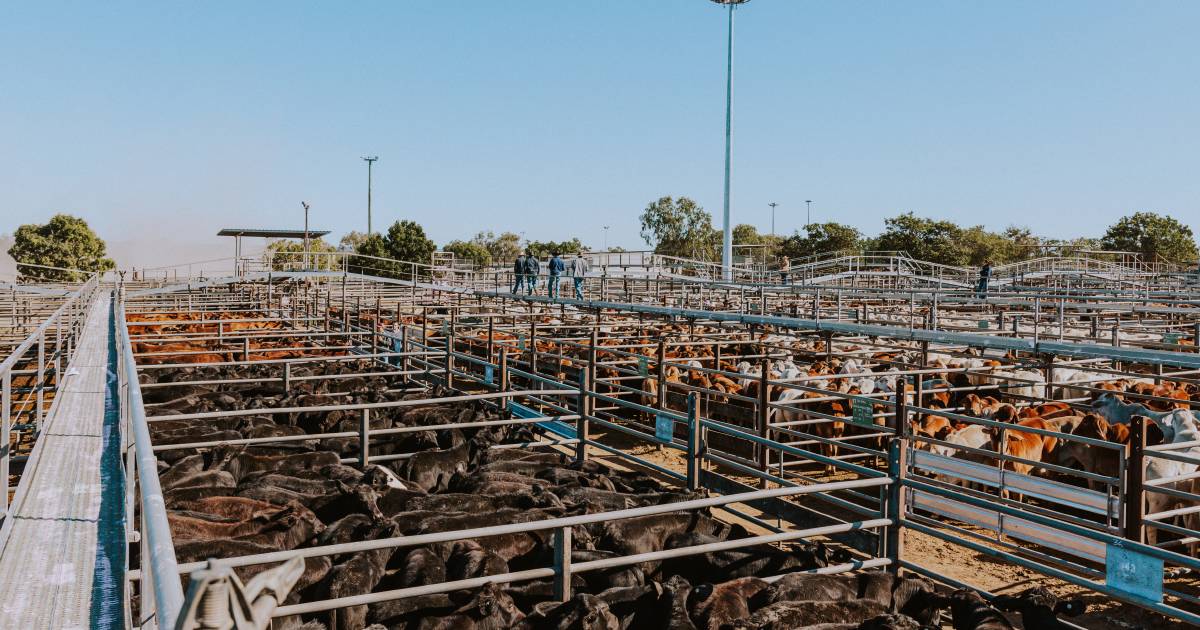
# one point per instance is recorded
(271, 233)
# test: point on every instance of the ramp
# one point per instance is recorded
(62, 546)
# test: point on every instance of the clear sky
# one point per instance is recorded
(162, 122)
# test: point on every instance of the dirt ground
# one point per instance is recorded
(952, 561)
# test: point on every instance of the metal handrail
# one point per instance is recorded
(156, 534)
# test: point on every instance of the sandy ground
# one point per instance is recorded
(959, 563)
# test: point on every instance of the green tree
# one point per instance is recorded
(65, 242)
(470, 250)
(746, 234)
(542, 249)
(680, 227)
(1152, 235)
(924, 239)
(504, 248)
(821, 238)
(351, 240)
(287, 255)
(406, 241)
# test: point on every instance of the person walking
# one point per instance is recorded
(785, 266)
(556, 267)
(985, 276)
(579, 269)
(532, 268)
(519, 273)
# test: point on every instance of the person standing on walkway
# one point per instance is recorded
(532, 268)
(579, 269)
(785, 266)
(985, 276)
(556, 267)
(519, 273)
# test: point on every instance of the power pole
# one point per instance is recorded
(772, 204)
(305, 204)
(370, 162)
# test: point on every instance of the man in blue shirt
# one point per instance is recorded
(532, 267)
(985, 276)
(557, 266)
(519, 273)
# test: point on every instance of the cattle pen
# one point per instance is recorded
(337, 415)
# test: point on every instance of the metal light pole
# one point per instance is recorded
(808, 211)
(606, 238)
(305, 204)
(772, 204)
(370, 162)
(727, 240)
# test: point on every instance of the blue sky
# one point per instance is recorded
(167, 121)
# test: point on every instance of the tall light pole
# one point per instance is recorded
(772, 204)
(606, 238)
(370, 162)
(808, 212)
(727, 240)
(305, 204)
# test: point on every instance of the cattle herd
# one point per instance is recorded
(229, 500)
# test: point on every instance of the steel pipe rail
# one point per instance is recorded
(168, 593)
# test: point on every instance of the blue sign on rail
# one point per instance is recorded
(488, 374)
(557, 427)
(664, 427)
(1135, 573)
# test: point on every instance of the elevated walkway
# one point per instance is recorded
(62, 549)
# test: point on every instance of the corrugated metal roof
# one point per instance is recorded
(254, 232)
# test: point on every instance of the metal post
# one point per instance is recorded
(364, 438)
(562, 564)
(503, 387)
(41, 384)
(901, 415)
(5, 429)
(763, 417)
(897, 500)
(287, 377)
(582, 425)
(246, 348)
(694, 443)
(1135, 500)
(727, 239)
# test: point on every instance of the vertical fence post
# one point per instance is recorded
(661, 403)
(364, 438)
(582, 425)
(246, 348)
(763, 418)
(41, 383)
(404, 364)
(901, 415)
(1135, 491)
(503, 387)
(287, 377)
(5, 429)
(562, 564)
(896, 501)
(449, 340)
(694, 444)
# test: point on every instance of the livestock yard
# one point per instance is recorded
(383, 444)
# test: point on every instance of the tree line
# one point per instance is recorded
(672, 226)
(681, 227)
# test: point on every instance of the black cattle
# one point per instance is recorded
(713, 606)
(970, 611)
(582, 612)
(911, 596)
(788, 615)
(1040, 608)
(746, 561)
(433, 469)
(490, 609)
